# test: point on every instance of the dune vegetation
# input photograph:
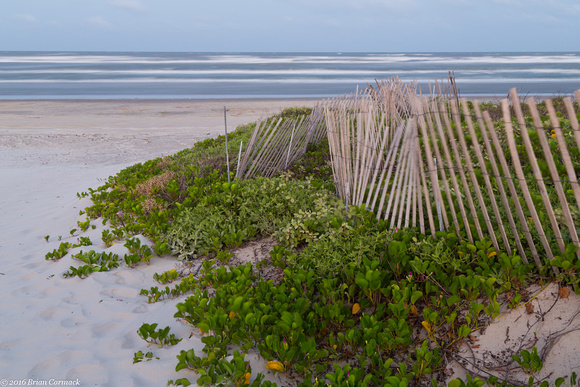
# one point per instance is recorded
(341, 300)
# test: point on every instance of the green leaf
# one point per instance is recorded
(363, 283)
(237, 304)
(203, 326)
(415, 296)
(464, 331)
(453, 300)
(489, 282)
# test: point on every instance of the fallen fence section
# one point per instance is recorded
(276, 144)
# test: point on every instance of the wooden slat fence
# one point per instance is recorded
(275, 145)
(440, 163)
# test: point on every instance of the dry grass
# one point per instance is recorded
(149, 187)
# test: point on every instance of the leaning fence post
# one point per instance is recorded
(227, 152)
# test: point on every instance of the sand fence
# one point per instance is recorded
(440, 163)
(276, 144)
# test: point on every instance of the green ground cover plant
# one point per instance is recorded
(357, 303)
(56, 254)
(161, 337)
(309, 322)
(139, 357)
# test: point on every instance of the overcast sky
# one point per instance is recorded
(290, 25)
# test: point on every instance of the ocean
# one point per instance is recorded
(141, 75)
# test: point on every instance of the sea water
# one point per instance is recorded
(123, 75)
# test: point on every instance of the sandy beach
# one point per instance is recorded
(85, 330)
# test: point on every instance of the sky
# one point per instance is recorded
(290, 25)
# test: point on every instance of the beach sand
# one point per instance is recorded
(85, 330)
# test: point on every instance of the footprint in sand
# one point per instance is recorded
(59, 361)
(92, 374)
(120, 293)
(73, 322)
(53, 314)
(105, 329)
(29, 277)
(141, 309)
(51, 290)
(23, 291)
(70, 300)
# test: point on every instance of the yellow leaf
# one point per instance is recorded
(275, 365)
(355, 308)
(427, 326)
(414, 310)
(232, 315)
(492, 254)
(245, 380)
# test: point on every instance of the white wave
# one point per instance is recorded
(213, 72)
(291, 72)
(290, 80)
(567, 58)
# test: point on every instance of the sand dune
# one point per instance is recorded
(85, 330)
